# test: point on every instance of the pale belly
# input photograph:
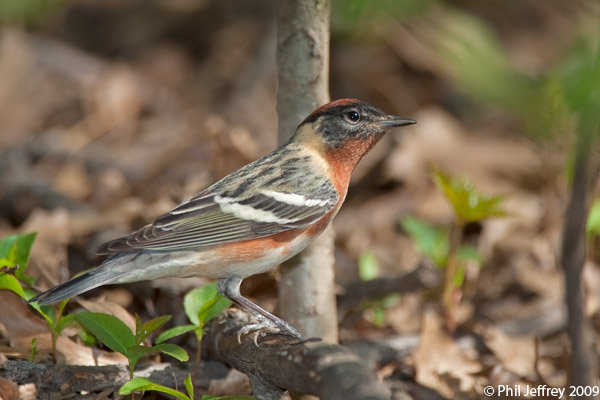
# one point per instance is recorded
(208, 263)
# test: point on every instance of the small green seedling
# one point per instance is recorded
(469, 206)
(201, 305)
(143, 384)
(434, 242)
(32, 349)
(14, 258)
(118, 337)
(368, 269)
(443, 246)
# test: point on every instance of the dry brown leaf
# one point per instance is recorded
(8, 389)
(17, 319)
(516, 354)
(403, 317)
(67, 351)
(72, 180)
(441, 364)
(49, 252)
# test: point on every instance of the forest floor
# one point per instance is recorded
(114, 113)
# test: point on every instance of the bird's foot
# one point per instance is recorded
(263, 326)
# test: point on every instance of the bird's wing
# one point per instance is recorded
(215, 217)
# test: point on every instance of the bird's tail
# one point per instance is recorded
(80, 284)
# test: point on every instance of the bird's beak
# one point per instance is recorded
(393, 122)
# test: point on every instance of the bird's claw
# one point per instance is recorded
(260, 329)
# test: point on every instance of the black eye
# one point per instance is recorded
(353, 116)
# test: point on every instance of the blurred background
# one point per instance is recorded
(114, 111)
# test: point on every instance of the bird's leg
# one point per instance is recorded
(230, 288)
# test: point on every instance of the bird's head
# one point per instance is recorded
(345, 130)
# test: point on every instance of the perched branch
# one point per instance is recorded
(328, 371)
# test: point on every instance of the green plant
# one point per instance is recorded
(201, 305)
(592, 226)
(14, 258)
(118, 337)
(142, 384)
(27, 11)
(368, 269)
(32, 349)
(469, 206)
(443, 246)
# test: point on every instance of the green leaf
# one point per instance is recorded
(46, 312)
(593, 220)
(173, 332)
(189, 386)
(87, 338)
(14, 250)
(379, 316)
(147, 384)
(203, 304)
(368, 268)
(467, 252)
(578, 76)
(134, 353)
(390, 300)
(108, 329)
(172, 350)
(32, 349)
(64, 322)
(459, 277)
(432, 242)
(144, 330)
(135, 384)
(468, 204)
(11, 283)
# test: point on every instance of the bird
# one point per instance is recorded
(251, 220)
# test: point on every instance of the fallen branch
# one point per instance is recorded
(328, 371)
(61, 378)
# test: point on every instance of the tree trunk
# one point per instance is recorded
(306, 289)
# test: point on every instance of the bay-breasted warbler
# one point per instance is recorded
(254, 218)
